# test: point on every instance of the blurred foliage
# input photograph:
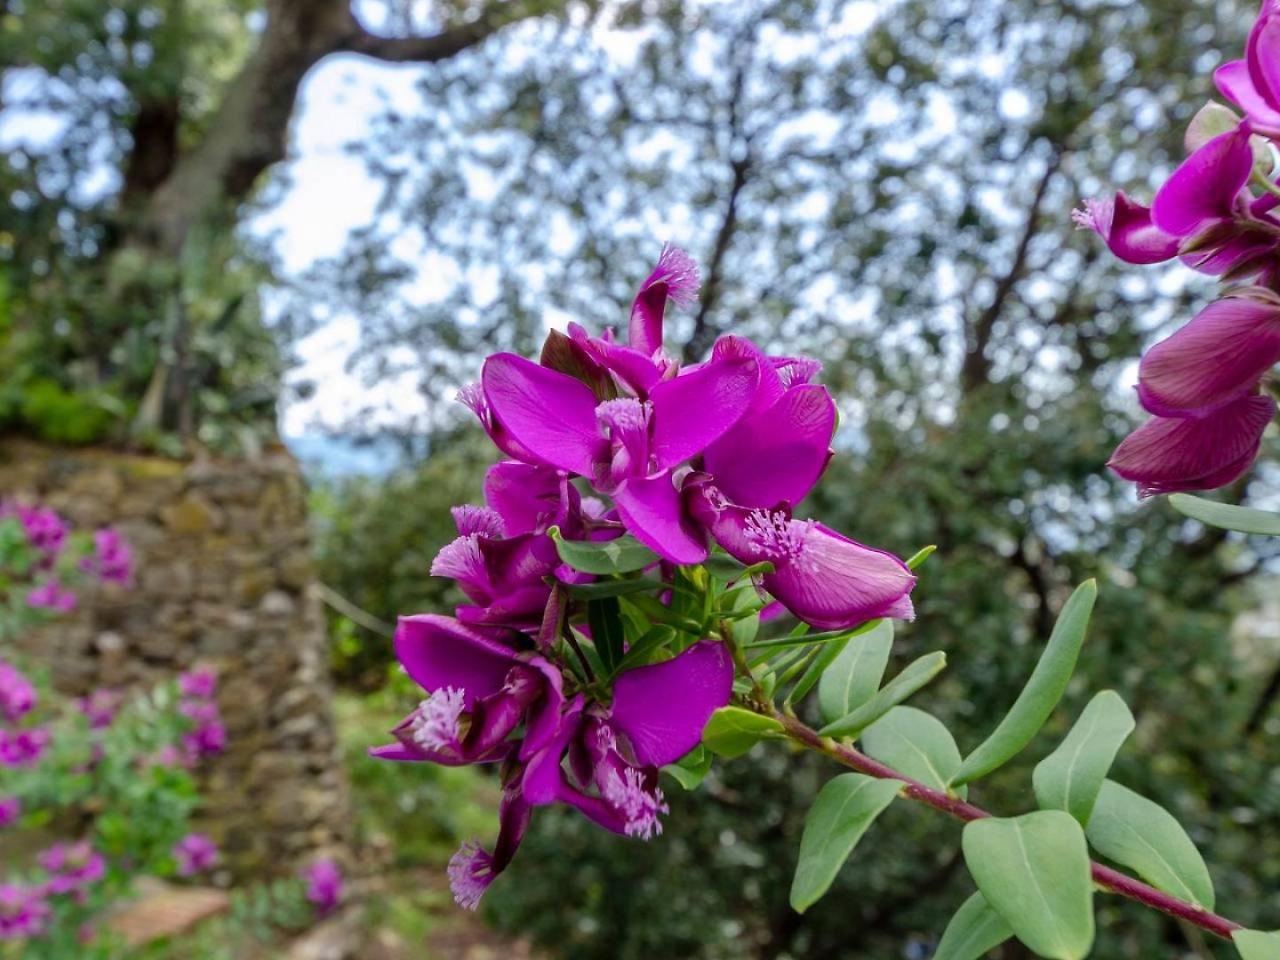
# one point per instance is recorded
(103, 336)
(886, 188)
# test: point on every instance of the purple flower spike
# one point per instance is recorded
(17, 694)
(824, 578)
(202, 683)
(73, 867)
(23, 748)
(1218, 357)
(676, 278)
(10, 811)
(1168, 454)
(112, 559)
(195, 853)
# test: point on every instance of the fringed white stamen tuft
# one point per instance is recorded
(777, 535)
(437, 725)
(1095, 215)
(639, 806)
(480, 521)
(626, 415)
(460, 560)
(679, 272)
(470, 873)
(472, 397)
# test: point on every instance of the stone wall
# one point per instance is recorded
(224, 577)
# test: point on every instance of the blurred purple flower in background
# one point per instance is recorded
(22, 748)
(195, 853)
(52, 595)
(73, 867)
(10, 810)
(24, 911)
(112, 558)
(324, 885)
(17, 693)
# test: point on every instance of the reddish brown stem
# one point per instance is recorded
(1110, 879)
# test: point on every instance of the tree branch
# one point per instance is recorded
(447, 43)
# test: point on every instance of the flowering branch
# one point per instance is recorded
(1104, 876)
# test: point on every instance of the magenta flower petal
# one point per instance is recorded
(1219, 356)
(653, 512)
(1133, 237)
(1262, 54)
(1205, 187)
(439, 652)
(778, 454)
(841, 583)
(662, 708)
(1167, 455)
(549, 413)
(770, 387)
(674, 277)
(697, 408)
(1236, 84)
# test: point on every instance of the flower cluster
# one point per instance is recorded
(207, 736)
(612, 443)
(1217, 213)
(324, 885)
(48, 563)
(69, 870)
(194, 853)
(20, 745)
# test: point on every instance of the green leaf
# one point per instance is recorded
(1041, 694)
(612, 588)
(916, 744)
(916, 675)
(921, 555)
(640, 652)
(659, 612)
(1034, 871)
(724, 567)
(823, 658)
(1069, 778)
(691, 769)
(975, 930)
(841, 813)
(1227, 516)
(604, 616)
(622, 555)
(732, 731)
(1256, 945)
(1142, 835)
(855, 674)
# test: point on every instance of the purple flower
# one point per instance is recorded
(73, 867)
(100, 708)
(22, 748)
(10, 811)
(1171, 454)
(24, 912)
(675, 278)
(52, 595)
(502, 557)
(201, 683)
(1203, 213)
(1218, 357)
(208, 739)
(17, 694)
(324, 885)
(195, 853)
(614, 753)
(45, 530)
(481, 689)
(822, 577)
(112, 559)
(1253, 84)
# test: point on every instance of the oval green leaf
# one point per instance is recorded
(1142, 835)
(1227, 516)
(732, 731)
(1041, 694)
(1034, 871)
(1256, 945)
(916, 675)
(843, 810)
(1069, 778)
(623, 555)
(975, 930)
(855, 674)
(916, 744)
(691, 769)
